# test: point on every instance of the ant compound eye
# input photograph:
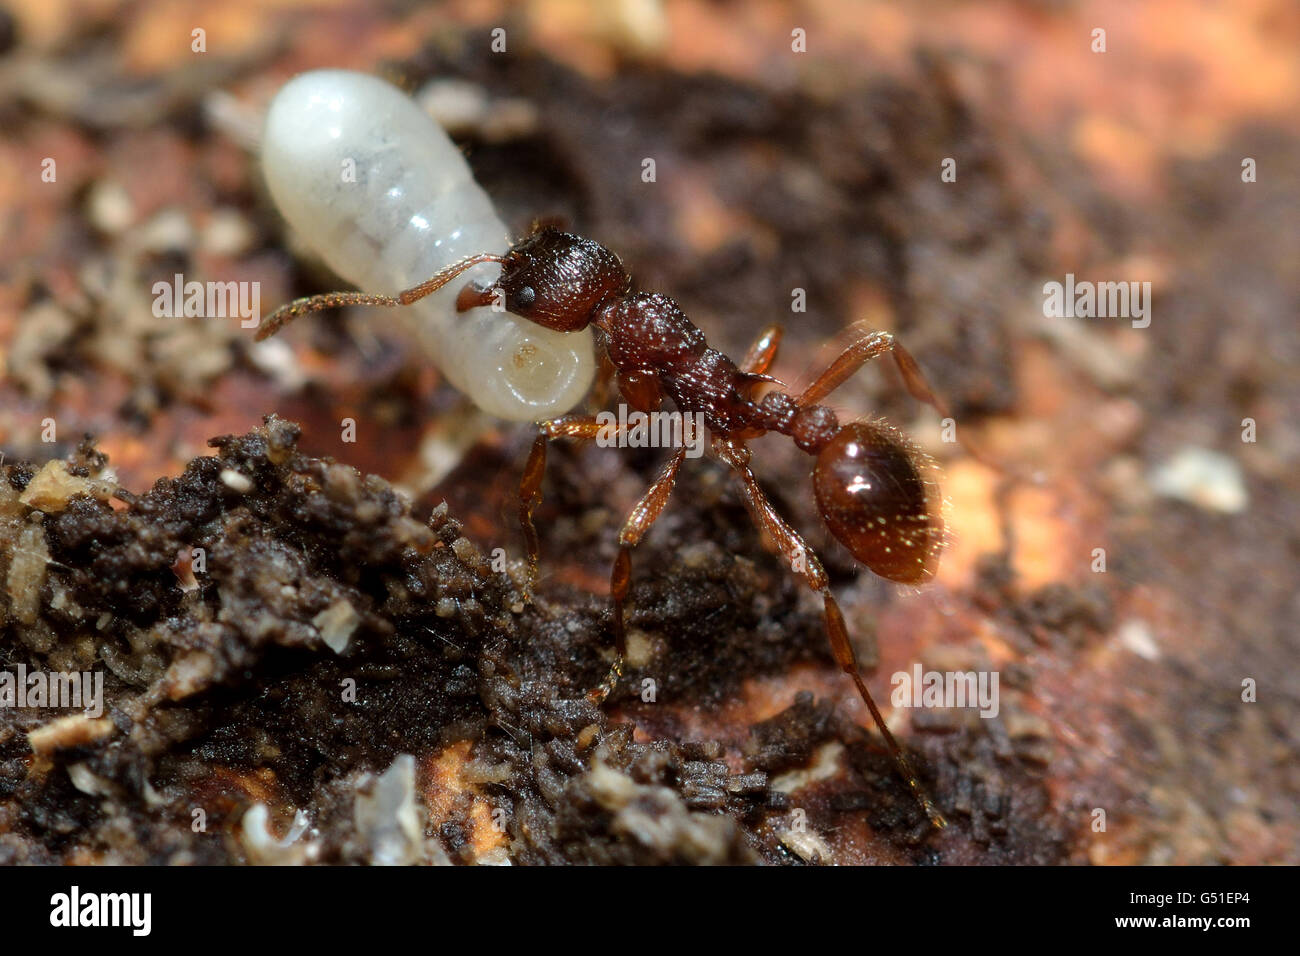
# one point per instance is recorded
(410, 209)
(876, 491)
(525, 297)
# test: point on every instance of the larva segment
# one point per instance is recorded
(374, 186)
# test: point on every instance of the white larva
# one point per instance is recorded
(374, 186)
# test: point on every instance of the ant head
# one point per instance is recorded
(877, 494)
(553, 278)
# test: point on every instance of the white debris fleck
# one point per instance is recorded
(1204, 478)
(27, 568)
(53, 487)
(457, 105)
(73, 730)
(87, 782)
(1135, 635)
(169, 230)
(386, 815)
(227, 233)
(264, 849)
(235, 481)
(336, 624)
(825, 764)
(639, 27)
(276, 358)
(807, 845)
(110, 207)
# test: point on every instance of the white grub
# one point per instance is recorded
(1204, 478)
(387, 818)
(264, 849)
(235, 481)
(336, 625)
(374, 186)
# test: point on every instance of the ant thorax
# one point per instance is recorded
(648, 332)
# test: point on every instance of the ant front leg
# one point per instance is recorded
(639, 521)
(804, 562)
(581, 427)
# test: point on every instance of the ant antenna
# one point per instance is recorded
(332, 300)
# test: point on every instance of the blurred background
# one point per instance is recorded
(776, 169)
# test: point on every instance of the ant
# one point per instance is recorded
(872, 485)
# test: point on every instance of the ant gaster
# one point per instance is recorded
(872, 485)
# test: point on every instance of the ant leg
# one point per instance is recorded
(866, 344)
(581, 427)
(639, 521)
(530, 496)
(332, 300)
(804, 562)
(762, 353)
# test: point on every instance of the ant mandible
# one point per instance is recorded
(872, 485)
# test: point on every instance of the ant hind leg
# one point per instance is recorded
(865, 344)
(805, 563)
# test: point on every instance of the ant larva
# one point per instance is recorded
(872, 486)
(375, 186)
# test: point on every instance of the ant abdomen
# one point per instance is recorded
(876, 492)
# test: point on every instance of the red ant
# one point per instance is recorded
(871, 483)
